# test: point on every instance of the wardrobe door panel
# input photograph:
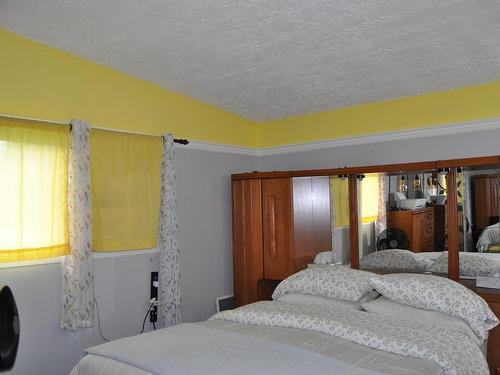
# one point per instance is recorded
(277, 224)
(494, 196)
(312, 219)
(482, 199)
(247, 240)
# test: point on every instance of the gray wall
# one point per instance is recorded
(122, 281)
(420, 149)
(204, 204)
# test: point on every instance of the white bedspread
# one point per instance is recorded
(193, 349)
(455, 352)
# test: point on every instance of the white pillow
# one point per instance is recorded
(326, 257)
(395, 260)
(336, 282)
(308, 300)
(438, 293)
(387, 307)
(471, 264)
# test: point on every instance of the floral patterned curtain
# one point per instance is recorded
(170, 300)
(381, 223)
(361, 238)
(77, 304)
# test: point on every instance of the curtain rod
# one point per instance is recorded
(68, 123)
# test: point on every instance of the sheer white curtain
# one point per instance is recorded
(361, 237)
(170, 300)
(336, 250)
(467, 210)
(77, 304)
(381, 223)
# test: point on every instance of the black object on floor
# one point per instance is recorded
(9, 329)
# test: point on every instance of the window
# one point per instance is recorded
(369, 198)
(33, 191)
(126, 181)
(368, 202)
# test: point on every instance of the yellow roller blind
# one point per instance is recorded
(33, 190)
(125, 173)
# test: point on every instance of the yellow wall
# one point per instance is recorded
(41, 81)
(441, 108)
(44, 82)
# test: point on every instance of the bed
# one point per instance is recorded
(321, 321)
(472, 264)
(489, 236)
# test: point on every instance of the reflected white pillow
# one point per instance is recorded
(395, 260)
(326, 257)
(334, 281)
(387, 307)
(471, 264)
(438, 293)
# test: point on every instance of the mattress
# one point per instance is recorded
(355, 355)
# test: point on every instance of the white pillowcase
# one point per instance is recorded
(336, 282)
(471, 264)
(395, 260)
(387, 307)
(308, 300)
(438, 293)
(325, 257)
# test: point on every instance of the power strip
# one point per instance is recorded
(153, 314)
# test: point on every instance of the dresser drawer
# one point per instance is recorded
(428, 245)
(429, 218)
(428, 232)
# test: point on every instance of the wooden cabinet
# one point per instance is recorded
(486, 200)
(247, 239)
(418, 226)
(492, 297)
(279, 225)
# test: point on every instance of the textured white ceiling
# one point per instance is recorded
(276, 58)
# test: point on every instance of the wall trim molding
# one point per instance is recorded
(459, 128)
(217, 147)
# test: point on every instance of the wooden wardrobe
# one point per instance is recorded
(279, 225)
(486, 197)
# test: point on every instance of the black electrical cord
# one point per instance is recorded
(144, 321)
(99, 321)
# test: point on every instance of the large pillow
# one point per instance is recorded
(308, 300)
(438, 293)
(395, 260)
(337, 282)
(325, 257)
(471, 264)
(384, 306)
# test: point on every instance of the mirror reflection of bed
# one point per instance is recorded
(478, 198)
(402, 215)
(403, 221)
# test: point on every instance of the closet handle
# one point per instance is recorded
(272, 228)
